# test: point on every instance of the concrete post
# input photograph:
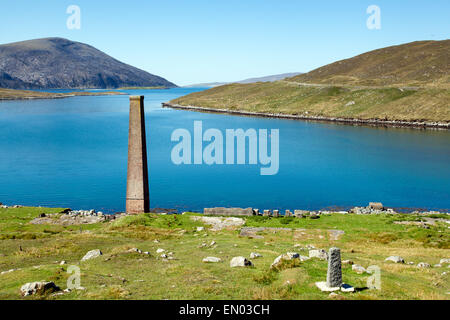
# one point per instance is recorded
(138, 200)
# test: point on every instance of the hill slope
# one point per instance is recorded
(415, 63)
(375, 85)
(61, 63)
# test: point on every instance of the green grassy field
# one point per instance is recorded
(36, 250)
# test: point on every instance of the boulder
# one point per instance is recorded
(41, 287)
(211, 260)
(444, 261)
(240, 262)
(396, 259)
(423, 265)
(318, 253)
(160, 250)
(255, 255)
(376, 206)
(92, 254)
(284, 257)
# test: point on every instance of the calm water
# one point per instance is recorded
(73, 153)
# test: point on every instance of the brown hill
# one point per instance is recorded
(417, 64)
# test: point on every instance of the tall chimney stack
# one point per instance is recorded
(138, 200)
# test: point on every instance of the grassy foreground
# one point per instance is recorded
(36, 250)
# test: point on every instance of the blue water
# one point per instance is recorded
(73, 153)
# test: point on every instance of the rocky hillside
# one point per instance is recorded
(61, 63)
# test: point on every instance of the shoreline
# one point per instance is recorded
(348, 121)
(61, 95)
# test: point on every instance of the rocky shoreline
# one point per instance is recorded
(59, 95)
(349, 121)
(78, 217)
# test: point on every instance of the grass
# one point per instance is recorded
(119, 274)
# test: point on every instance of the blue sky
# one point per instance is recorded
(194, 41)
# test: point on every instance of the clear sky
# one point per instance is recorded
(193, 41)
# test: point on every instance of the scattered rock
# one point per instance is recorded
(160, 250)
(211, 260)
(134, 250)
(350, 103)
(358, 269)
(42, 287)
(444, 261)
(240, 262)
(92, 254)
(333, 295)
(212, 243)
(9, 271)
(423, 265)
(318, 253)
(199, 229)
(396, 259)
(349, 262)
(255, 255)
(286, 257)
(437, 265)
(62, 263)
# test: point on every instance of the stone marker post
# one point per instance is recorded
(334, 274)
(138, 200)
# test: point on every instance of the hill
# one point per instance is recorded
(61, 63)
(271, 78)
(416, 64)
(409, 82)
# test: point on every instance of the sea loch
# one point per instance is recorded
(73, 153)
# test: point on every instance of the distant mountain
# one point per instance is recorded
(61, 63)
(271, 78)
(415, 63)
